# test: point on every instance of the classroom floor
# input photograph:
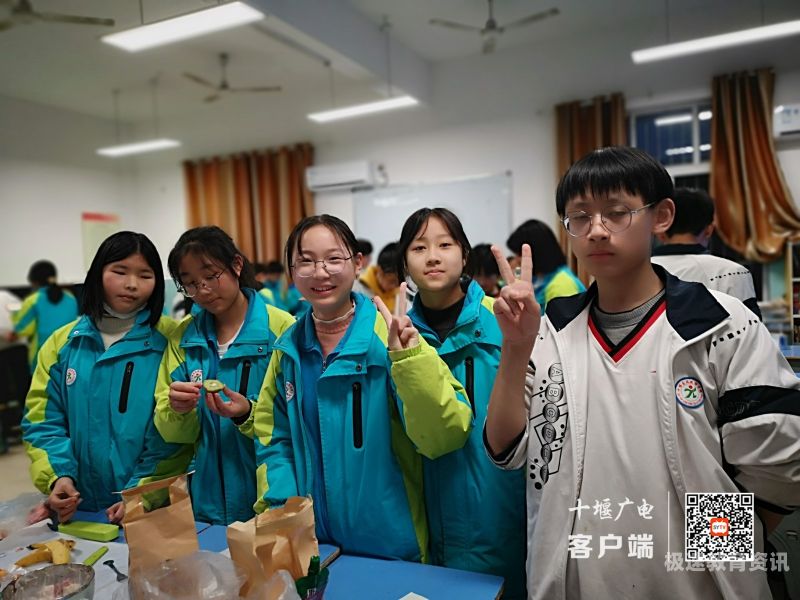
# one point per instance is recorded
(14, 474)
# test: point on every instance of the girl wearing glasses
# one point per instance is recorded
(344, 420)
(552, 277)
(229, 339)
(88, 424)
(454, 316)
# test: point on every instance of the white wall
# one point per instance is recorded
(48, 177)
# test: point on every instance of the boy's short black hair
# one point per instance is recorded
(547, 253)
(484, 261)
(363, 246)
(612, 169)
(694, 211)
(387, 259)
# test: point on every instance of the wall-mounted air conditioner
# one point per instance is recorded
(341, 176)
(786, 121)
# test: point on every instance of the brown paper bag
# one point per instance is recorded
(159, 534)
(279, 538)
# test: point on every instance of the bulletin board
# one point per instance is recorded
(96, 227)
(482, 203)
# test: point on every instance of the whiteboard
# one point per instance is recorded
(482, 203)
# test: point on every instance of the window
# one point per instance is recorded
(675, 136)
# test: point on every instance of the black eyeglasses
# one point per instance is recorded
(614, 218)
(306, 267)
(190, 290)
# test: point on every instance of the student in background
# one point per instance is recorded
(88, 424)
(46, 309)
(620, 401)
(684, 250)
(364, 248)
(476, 512)
(382, 278)
(268, 275)
(487, 275)
(230, 338)
(552, 277)
(333, 393)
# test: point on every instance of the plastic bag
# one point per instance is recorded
(278, 587)
(14, 513)
(205, 575)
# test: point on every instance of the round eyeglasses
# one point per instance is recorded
(190, 290)
(306, 267)
(614, 218)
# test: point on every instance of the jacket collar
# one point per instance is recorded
(674, 249)
(691, 308)
(142, 335)
(360, 331)
(468, 320)
(255, 328)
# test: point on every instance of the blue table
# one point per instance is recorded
(376, 579)
(100, 517)
(214, 539)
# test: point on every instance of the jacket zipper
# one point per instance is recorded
(126, 386)
(358, 434)
(245, 377)
(469, 366)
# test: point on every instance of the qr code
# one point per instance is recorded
(719, 527)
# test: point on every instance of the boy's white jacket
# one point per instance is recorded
(746, 437)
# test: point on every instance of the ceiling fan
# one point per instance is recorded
(491, 30)
(22, 13)
(223, 85)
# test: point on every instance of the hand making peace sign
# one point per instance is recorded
(516, 309)
(402, 333)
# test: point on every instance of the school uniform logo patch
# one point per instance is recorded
(196, 376)
(689, 392)
(289, 387)
(71, 376)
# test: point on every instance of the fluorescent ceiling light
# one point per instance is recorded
(704, 115)
(779, 109)
(175, 29)
(363, 109)
(673, 120)
(715, 42)
(705, 147)
(138, 147)
(680, 150)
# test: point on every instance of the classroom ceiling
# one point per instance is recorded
(66, 66)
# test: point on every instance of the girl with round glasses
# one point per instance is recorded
(342, 419)
(229, 338)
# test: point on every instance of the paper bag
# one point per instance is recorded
(158, 534)
(279, 538)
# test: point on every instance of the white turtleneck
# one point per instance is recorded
(114, 325)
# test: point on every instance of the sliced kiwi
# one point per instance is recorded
(213, 385)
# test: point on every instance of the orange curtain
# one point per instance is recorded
(580, 128)
(257, 197)
(754, 209)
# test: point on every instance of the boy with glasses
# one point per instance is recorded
(641, 390)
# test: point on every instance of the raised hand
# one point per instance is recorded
(184, 396)
(402, 333)
(237, 405)
(516, 309)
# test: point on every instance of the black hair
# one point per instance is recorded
(387, 259)
(485, 263)
(43, 274)
(694, 211)
(217, 245)
(120, 246)
(613, 169)
(418, 221)
(270, 268)
(547, 253)
(336, 226)
(364, 246)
